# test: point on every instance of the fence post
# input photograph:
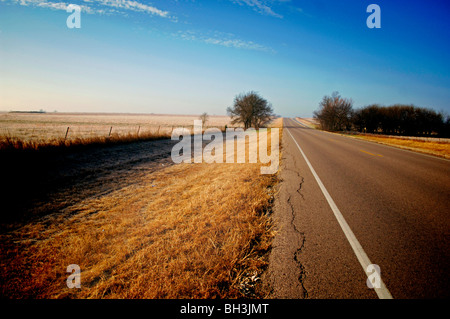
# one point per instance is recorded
(109, 135)
(67, 132)
(138, 130)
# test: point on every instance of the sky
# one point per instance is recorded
(195, 56)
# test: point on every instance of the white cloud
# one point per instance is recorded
(222, 39)
(123, 6)
(100, 6)
(51, 5)
(132, 6)
(260, 6)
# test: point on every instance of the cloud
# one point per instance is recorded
(123, 6)
(261, 6)
(132, 6)
(100, 6)
(223, 39)
(51, 5)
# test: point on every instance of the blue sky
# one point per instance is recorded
(193, 56)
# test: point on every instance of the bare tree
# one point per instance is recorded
(251, 110)
(399, 119)
(204, 117)
(334, 112)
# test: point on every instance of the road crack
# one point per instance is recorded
(301, 235)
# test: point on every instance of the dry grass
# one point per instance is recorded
(20, 131)
(278, 123)
(441, 149)
(310, 122)
(8, 143)
(187, 231)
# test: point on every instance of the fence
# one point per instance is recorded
(47, 133)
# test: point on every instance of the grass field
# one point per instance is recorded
(182, 231)
(441, 149)
(34, 130)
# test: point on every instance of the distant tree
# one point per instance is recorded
(399, 119)
(335, 112)
(204, 117)
(251, 110)
(445, 127)
(367, 119)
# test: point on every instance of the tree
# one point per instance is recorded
(204, 117)
(250, 109)
(445, 127)
(334, 112)
(399, 119)
(368, 119)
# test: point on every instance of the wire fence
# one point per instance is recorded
(44, 133)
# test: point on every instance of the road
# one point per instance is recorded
(395, 204)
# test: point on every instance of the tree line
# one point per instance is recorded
(336, 113)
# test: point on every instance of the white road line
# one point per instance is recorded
(382, 292)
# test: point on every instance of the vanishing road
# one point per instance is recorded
(345, 204)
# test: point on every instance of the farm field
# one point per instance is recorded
(42, 128)
(138, 225)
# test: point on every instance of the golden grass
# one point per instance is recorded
(37, 131)
(309, 122)
(277, 123)
(9, 143)
(187, 231)
(441, 149)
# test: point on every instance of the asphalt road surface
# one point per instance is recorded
(346, 203)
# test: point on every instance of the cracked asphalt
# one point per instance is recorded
(395, 202)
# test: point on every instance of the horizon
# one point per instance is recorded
(189, 57)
